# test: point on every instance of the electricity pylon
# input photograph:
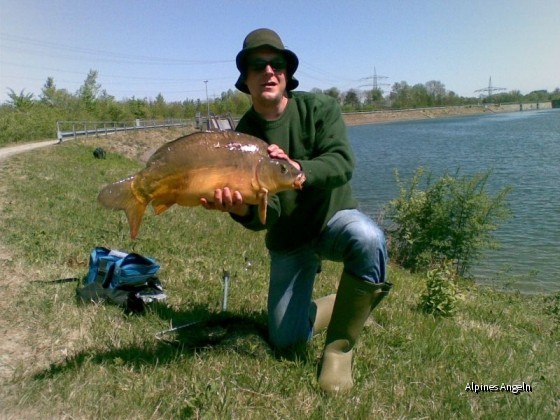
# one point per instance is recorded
(376, 85)
(490, 89)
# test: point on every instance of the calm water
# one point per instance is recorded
(523, 151)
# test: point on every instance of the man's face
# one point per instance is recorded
(266, 75)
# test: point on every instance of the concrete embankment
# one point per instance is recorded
(362, 118)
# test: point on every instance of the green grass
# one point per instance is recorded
(95, 361)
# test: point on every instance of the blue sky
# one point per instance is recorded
(142, 48)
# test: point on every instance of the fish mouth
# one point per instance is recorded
(298, 182)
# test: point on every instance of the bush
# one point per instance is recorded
(440, 295)
(36, 124)
(451, 219)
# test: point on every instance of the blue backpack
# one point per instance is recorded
(128, 280)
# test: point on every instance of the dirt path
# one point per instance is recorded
(21, 148)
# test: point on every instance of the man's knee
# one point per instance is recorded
(366, 257)
(366, 237)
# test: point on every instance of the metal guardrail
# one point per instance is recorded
(95, 128)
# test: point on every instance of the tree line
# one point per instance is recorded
(26, 117)
(430, 94)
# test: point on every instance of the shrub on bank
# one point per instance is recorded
(447, 219)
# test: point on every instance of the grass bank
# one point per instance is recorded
(63, 360)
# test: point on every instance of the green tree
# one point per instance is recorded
(159, 107)
(333, 92)
(419, 97)
(538, 96)
(107, 109)
(451, 99)
(507, 97)
(22, 102)
(188, 108)
(401, 95)
(241, 102)
(48, 92)
(59, 99)
(89, 91)
(137, 107)
(351, 99)
(374, 96)
(437, 92)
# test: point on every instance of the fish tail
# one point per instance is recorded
(120, 196)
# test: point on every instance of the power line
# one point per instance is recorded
(67, 51)
(128, 78)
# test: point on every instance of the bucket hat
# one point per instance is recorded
(261, 38)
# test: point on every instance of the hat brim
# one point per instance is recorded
(292, 63)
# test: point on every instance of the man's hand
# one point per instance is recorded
(275, 152)
(227, 201)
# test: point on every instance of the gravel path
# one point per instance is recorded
(20, 148)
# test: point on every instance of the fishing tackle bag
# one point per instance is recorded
(126, 279)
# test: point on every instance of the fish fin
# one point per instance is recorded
(160, 207)
(120, 196)
(263, 196)
(134, 215)
(255, 183)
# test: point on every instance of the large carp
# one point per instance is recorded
(192, 167)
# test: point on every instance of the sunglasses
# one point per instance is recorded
(258, 64)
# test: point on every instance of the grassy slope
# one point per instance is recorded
(95, 362)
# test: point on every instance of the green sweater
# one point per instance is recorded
(311, 131)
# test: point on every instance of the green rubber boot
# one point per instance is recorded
(355, 300)
(321, 312)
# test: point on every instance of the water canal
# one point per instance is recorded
(523, 151)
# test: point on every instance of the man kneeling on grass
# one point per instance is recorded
(320, 221)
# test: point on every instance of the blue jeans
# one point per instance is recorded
(350, 237)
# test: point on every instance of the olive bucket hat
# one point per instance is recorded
(261, 38)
